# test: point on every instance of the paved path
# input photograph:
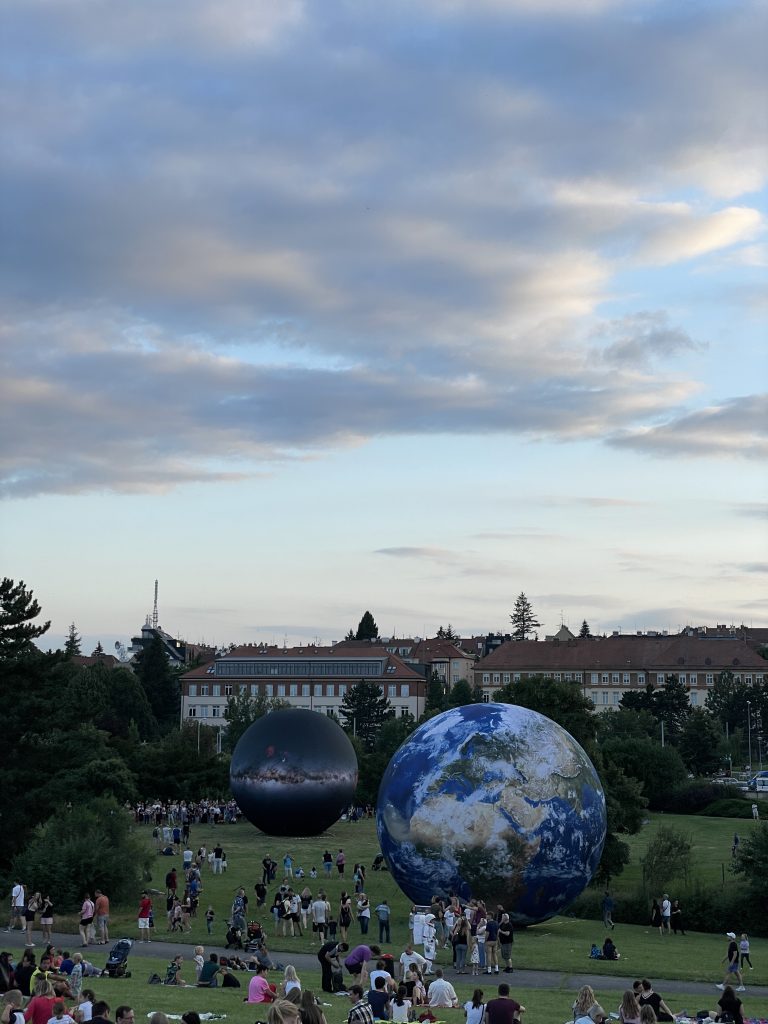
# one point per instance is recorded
(518, 979)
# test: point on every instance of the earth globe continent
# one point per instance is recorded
(293, 772)
(493, 802)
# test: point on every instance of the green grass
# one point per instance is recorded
(544, 1006)
(561, 944)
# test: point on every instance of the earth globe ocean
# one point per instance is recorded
(293, 772)
(495, 802)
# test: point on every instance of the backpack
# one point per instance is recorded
(154, 979)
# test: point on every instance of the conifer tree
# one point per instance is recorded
(524, 622)
(72, 643)
(18, 608)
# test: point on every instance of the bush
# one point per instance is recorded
(693, 797)
(728, 809)
(82, 848)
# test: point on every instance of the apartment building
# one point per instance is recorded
(316, 678)
(607, 667)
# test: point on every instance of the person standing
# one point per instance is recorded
(46, 918)
(218, 859)
(732, 971)
(506, 939)
(34, 903)
(666, 913)
(491, 946)
(755, 812)
(340, 862)
(101, 908)
(327, 863)
(87, 912)
(330, 964)
(744, 951)
(656, 916)
(18, 903)
(363, 913)
(145, 913)
(383, 913)
(608, 905)
(676, 918)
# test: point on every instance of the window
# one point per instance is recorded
(391, 690)
(593, 677)
(626, 678)
(616, 697)
(516, 677)
(693, 697)
(204, 711)
(405, 690)
(557, 677)
(217, 689)
(486, 677)
(747, 679)
(342, 689)
(228, 690)
(242, 689)
(486, 698)
(693, 679)
(710, 679)
(605, 696)
(496, 677)
(330, 690)
(615, 678)
(281, 689)
(641, 678)
(192, 689)
(204, 690)
(269, 689)
(317, 690)
(577, 676)
(683, 678)
(192, 712)
(660, 678)
(293, 690)
(254, 689)
(568, 677)
(305, 689)
(604, 677)
(506, 677)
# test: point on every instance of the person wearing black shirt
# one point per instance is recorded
(506, 938)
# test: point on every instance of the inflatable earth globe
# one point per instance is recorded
(493, 802)
(293, 772)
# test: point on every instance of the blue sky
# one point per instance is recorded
(313, 308)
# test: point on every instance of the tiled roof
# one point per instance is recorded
(437, 649)
(395, 669)
(86, 660)
(675, 653)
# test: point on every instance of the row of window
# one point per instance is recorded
(216, 711)
(611, 678)
(286, 689)
(601, 697)
(299, 668)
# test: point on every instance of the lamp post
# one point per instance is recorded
(749, 731)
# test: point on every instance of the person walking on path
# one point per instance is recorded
(732, 971)
(608, 906)
(666, 913)
(145, 913)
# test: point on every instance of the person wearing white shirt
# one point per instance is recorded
(441, 993)
(429, 934)
(410, 956)
(18, 902)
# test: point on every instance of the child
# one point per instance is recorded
(209, 916)
(198, 961)
(60, 1016)
(744, 951)
(474, 959)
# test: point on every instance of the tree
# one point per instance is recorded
(98, 651)
(448, 633)
(660, 769)
(363, 711)
(17, 610)
(160, 683)
(584, 632)
(436, 696)
(460, 694)
(673, 706)
(524, 622)
(667, 859)
(72, 643)
(367, 628)
(699, 743)
(563, 702)
(751, 862)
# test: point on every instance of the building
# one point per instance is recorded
(443, 658)
(316, 678)
(608, 667)
(178, 652)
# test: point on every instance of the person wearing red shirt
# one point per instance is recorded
(40, 1007)
(145, 912)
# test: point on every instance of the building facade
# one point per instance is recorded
(608, 667)
(315, 678)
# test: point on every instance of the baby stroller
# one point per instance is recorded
(118, 959)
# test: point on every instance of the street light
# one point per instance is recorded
(749, 731)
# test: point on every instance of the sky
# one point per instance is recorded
(309, 309)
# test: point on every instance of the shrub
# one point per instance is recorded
(693, 797)
(728, 809)
(88, 846)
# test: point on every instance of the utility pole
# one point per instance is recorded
(749, 731)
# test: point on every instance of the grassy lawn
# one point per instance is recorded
(550, 1006)
(561, 944)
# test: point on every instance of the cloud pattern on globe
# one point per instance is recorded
(496, 802)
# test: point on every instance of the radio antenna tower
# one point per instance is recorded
(154, 610)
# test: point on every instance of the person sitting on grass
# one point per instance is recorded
(378, 999)
(259, 989)
(173, 974)
(729, 1007)
(209, 972)
(609, 950)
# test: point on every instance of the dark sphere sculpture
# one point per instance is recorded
(293, 772)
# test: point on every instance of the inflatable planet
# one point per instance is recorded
(493, 802)
(293, 772)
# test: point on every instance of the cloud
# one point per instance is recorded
(754, 567)
(640, 338)
(692, 236)
(738, 427)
